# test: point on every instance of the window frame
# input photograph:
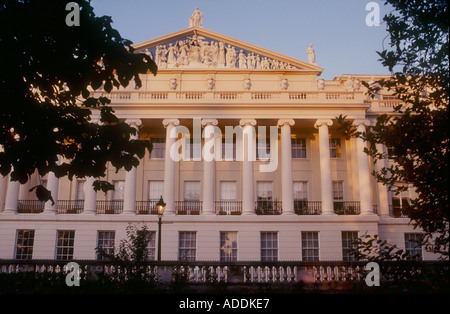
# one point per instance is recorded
(269, 253)
(310, 253)
(26, 246)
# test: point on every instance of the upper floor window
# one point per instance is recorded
(298, 148)
(335, 148)
(158, 148)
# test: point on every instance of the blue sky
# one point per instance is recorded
(343, 43)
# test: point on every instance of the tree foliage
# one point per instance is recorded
(417, 130)
(48, 71)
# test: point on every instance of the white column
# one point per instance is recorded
(383, 194)
(12, 196)
(326, 185)
(129, 195)
(365, 189)
(287, 189)
(90, 197)
(249, 156)
(53, 187)
(169, 168)
(209, 166)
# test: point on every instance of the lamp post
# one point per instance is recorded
(160, 207)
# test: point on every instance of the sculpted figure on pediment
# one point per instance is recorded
(349, 84)
(242, 60)
(321, 84)
(221, 55)
(356, 85)
(311, 54)
(171, 57)
(231, 57)
(196, 19)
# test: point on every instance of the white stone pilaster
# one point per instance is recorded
(209, 167)
(169, 168)
(249, 155)
(129, 195)
(287, 189)
(326, 185)
(365, 190)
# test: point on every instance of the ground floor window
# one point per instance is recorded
(105, 241)
(413, 245)
(348, 238)
(65, 244)
(24, 244)
(269, 246)
(310, 246)
(228, 246)
(186, 246)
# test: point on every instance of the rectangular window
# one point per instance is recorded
(300, 191)
(298, 147)
(310, 246)
(65, 244)
(263, 150)
(151, 247)
(158, 148)
(228, 150)
(24, 244)
(228, 191)
(119, 188)
(155, 190)
(338, 190)
(191, 190)
(264, 190)
(193, 149)
(335, 147)
(186, 246)
(105, 240)
(79, 193)
(269, 246)
(228, 246)
(413, 245)
(347, 245)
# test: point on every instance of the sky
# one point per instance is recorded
(343, 42)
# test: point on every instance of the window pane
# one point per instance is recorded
(119, 188)
(158, 147)
(264, 190)
(413, 245)
(335, 147)
(347, 244)
(191, 190)
(298, 147)
(300, 190)
(65, 244)
(106, 241)
(228, 190)
(80, 190)
(186, 246)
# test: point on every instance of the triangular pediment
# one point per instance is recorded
(199, 48)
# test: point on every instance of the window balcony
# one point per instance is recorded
(347, 207)
(228, 207)
(30, 206)
(190, 207)
(113, 207)
(268, 207)
(146, 207)
(305, 207)
(397, 211)
(69, 207)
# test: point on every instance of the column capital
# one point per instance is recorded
(206, 122)
(320, 122)
(283, 122)
(361, 122)
(246, 122)
(167, 122)
(135, 123)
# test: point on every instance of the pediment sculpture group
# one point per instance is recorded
(197, 51)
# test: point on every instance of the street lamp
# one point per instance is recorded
(160, 207)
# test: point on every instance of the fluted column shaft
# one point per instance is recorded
(169, 167)
(249, 155)
(287, 189)
(129, 195)
(326, 185)
(365, 190)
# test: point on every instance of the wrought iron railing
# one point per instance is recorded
(192, 207)
(347, 207)
(266, 207)
(146, 207)
(30, 206)
(304, 207)
(110, 207)
(228, 207)
(69, 206)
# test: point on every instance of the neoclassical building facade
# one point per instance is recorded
(247, 155)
